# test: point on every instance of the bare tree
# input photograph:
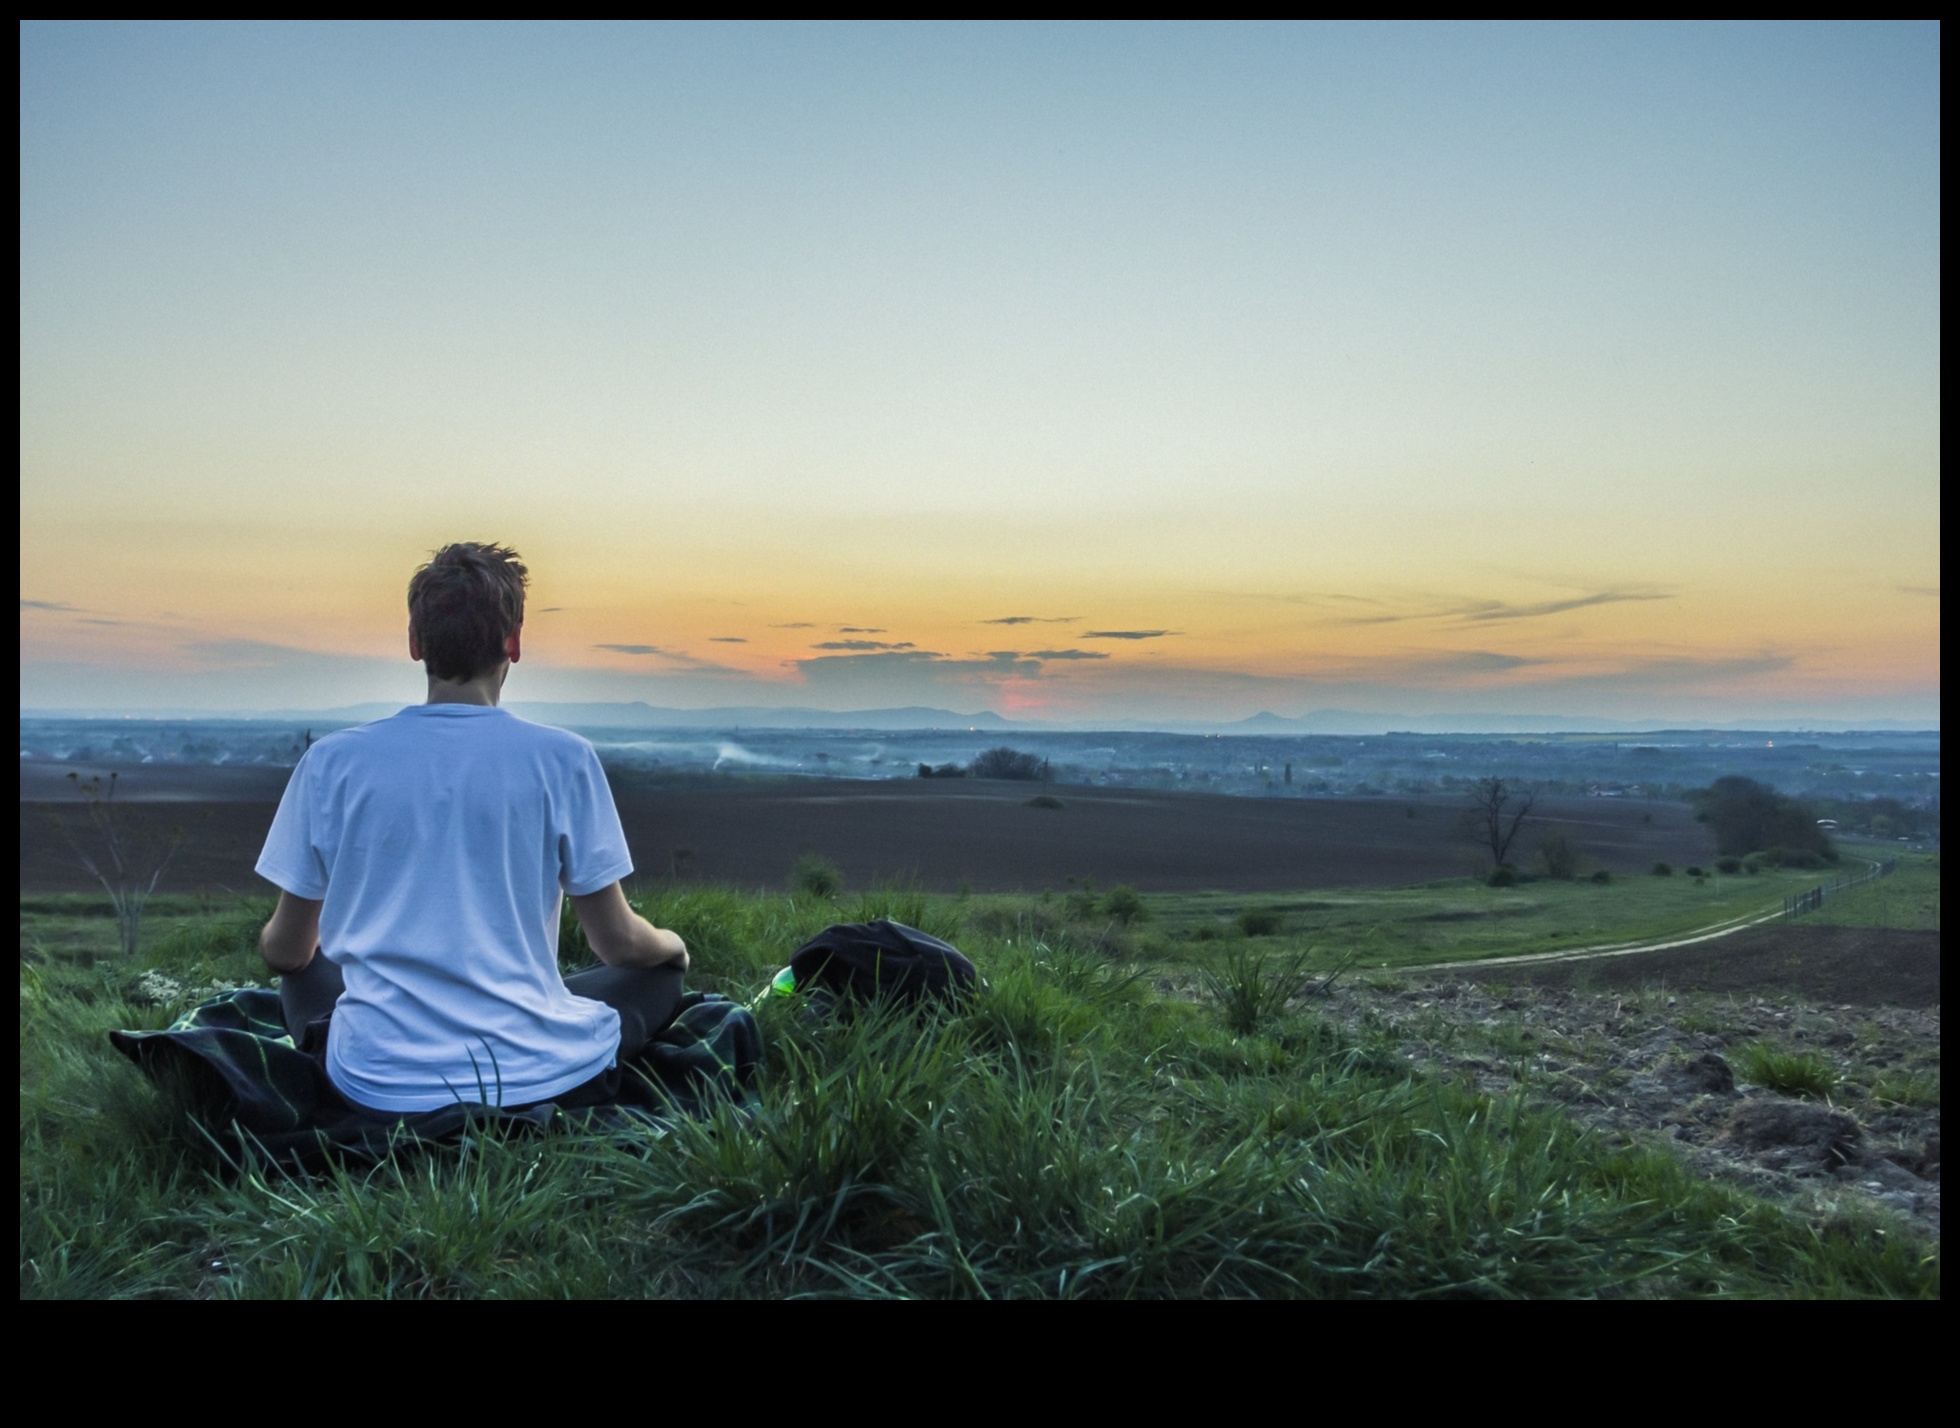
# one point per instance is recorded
(1497, 809)
(128, 865)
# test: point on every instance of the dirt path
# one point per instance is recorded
(1726, 928)
(1840, 966)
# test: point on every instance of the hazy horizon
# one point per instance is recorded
(1335, 722)
(1101, 375)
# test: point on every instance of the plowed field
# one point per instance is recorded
(985, 835)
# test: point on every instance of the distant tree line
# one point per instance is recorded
(1883, 817)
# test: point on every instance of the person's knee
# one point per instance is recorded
(647, 1000)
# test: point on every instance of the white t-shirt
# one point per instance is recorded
(440, 841)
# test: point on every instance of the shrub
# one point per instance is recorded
(1046, 800)
(1559, 856)
(1663, 870)
(816, 875)
(1503, 876)
(1125, 905)
(1260, 921)
(1004, 762)
(1693, 872)
(1602, 877)
(1728, 863)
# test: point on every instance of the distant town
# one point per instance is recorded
(1885, 784)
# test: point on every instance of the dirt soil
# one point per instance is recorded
(1667, 1066)
(985, 835)
(1874, 966)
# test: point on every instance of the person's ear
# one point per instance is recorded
(414, 645)
(514, 645)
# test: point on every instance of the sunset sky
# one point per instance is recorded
(1086, 373)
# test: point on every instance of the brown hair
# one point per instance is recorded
(463, 604)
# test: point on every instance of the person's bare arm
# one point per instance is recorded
(293, 935)
(621, 937)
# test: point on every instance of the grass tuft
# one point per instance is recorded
(1919, 1089)
(1252, 987)
(1792, 1073)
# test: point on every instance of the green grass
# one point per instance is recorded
(80, 927)
(1251, 988)
(1071, 1133)
(1919, 1089)
(1909, 899)
(1794, 1073)
(1463, 919)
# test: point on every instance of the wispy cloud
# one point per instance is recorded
(1484, 611)
(678, 658)
(548, 610)
(909, 674)
(860, 629)
(1463, 609)
(1067, 654)
(1465, 662)
(56, 605)
(796, 625)
(727, 640)
(1931, 592)
(1033, 620)
(1126, 634)
(1388, 619)
(863, 645)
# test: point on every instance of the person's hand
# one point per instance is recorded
(620, 937)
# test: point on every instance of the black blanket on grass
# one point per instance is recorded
(250, 1083)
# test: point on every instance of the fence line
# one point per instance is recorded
(1812, 899)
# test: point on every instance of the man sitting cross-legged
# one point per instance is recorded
(421, 860)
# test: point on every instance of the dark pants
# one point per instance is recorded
(646, 998)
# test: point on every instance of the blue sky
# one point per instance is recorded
(1302, 344)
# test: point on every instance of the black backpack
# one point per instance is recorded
(866, 961)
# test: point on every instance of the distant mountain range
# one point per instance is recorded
(635, 715)
(1347, 721)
